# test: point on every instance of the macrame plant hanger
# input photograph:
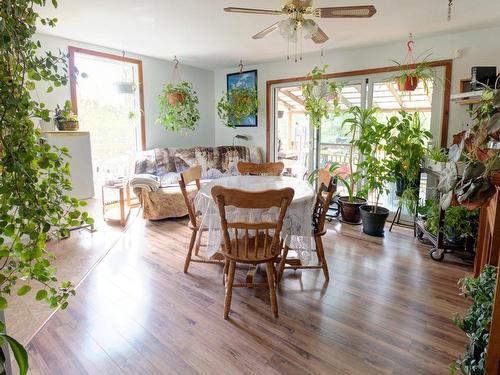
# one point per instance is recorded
(176, 77)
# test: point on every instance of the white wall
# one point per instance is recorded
(480, 47)
(156, 73)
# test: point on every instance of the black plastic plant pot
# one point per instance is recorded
(350, 211)
(373, 222)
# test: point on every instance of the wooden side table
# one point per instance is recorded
(123, 190)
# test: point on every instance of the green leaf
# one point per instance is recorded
(19, 352)
(3, 303)
(41, 294)
(23, 290)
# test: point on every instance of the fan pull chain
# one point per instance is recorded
(300, 57)
(450, 5)
(288, 49)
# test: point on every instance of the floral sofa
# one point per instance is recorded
(167, 164)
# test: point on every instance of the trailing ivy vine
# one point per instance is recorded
(33, 175)
(476, 321)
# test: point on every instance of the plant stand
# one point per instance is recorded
(396, 220)
(123, 202)
(441, 246)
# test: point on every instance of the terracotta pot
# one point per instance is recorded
(175, 98)
(410, 84)
(350, 211)
(67, 125)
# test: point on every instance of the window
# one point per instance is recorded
(107, 95)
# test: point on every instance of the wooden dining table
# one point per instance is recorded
(297, 224)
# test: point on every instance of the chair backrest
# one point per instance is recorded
(261, 169)
(265, 232)
(324, 196)
(188, 176)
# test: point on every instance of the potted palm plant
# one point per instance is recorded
(237, 104)
(376, 170)
(351, 203)
(178, 107)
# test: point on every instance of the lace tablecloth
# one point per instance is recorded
(297, 225)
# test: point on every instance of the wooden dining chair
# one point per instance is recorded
(190, 175)
(324, 198)
(251, 243)
(261, 169)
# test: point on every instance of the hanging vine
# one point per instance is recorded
(33, 175)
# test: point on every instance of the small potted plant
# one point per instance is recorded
(436, 159)
(375, 168)
(321, 97)
(65, 119)
(237, 104)
(409, 75)
(178, 107)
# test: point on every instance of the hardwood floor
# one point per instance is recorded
(386, 310)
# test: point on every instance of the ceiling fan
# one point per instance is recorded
(297, 10)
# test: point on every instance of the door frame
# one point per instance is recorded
(447, 64)
(73, 82)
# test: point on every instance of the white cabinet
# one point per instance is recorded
(78, 144)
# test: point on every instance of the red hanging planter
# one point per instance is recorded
(409, 84)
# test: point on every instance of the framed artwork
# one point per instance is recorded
(246, 79)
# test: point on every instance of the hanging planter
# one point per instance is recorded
(407, 83)
(410, 74)
(321, 97)
(236, 105)
(178, 107)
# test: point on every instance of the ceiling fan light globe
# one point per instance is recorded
(309, 29)
(287, 29)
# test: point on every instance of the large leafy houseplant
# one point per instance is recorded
(406, 151)
(33, 175)
(375, 168)
(473, 188)
(321, 97)
(476, 321)
(237, 104)
(178, 107)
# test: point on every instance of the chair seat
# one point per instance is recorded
(254, 256)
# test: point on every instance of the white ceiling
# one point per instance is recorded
(201, 34)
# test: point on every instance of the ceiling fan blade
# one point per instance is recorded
(253, 11)
(362, 11)
(266, 31)
(320, 36)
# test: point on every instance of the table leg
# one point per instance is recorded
(122, 208)
(127, 193)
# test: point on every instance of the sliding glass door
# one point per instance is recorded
(304, 149)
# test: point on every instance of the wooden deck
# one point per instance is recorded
(386, 310)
